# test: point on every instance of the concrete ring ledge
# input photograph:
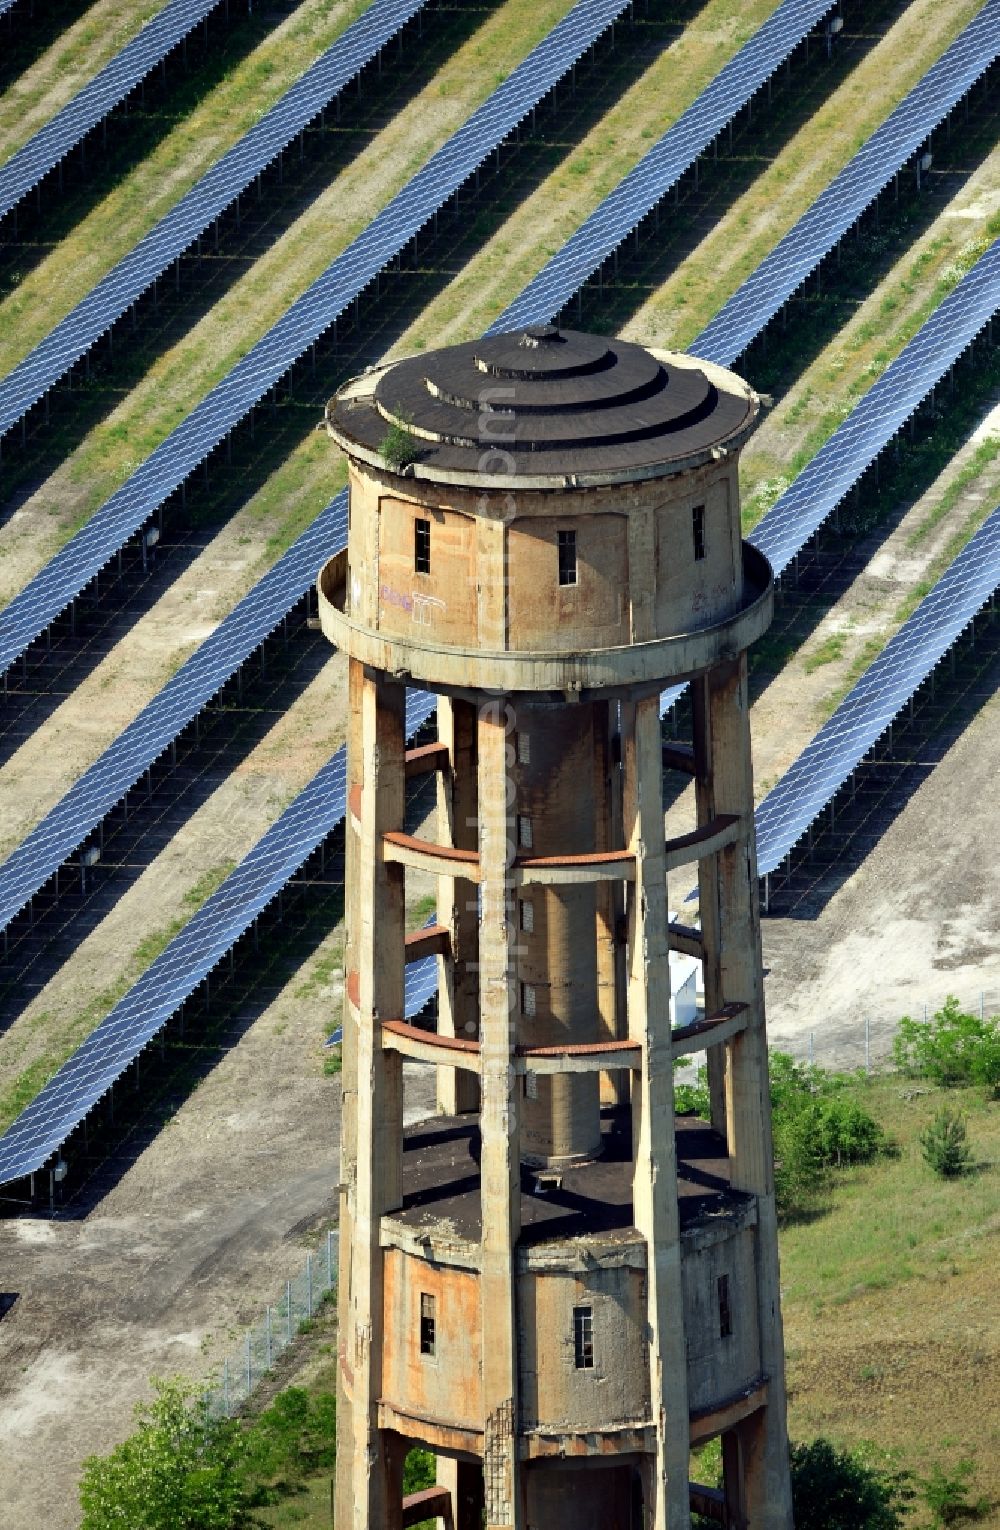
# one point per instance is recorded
(446, 667)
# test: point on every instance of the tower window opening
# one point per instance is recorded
(428, 1326)
(422, 547)
(698, 531)
(529, 1003)
(583, 1338)
(524, 748)
(525, 837)
(725, 1311)
(567, 557)
(527, 916)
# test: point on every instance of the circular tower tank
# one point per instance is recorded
(544, 530)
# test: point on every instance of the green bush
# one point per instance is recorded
(839, 1490)
(944, 1143)
(946, 1495)
(817, 1126)
(953, 1048)
(397, 447)
(181, 1467)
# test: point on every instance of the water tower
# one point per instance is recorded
(554, 1285)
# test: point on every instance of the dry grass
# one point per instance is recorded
(889, 1300)
(77, 262)
(63, 70)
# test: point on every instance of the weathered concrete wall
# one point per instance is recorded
(719, 1366)
(448, 1384)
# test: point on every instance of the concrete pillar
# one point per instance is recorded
(458, 1001)
(500, 1173)
(708, 901)
(370, 1493)
(654, 1148)
(611, 1008)
(763, 1439)
(464, 1481)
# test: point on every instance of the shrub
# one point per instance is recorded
(397, 447)
(817, 1126)
(953, 1048)
(837, 1490)
(944, 1143)
(179, 1467)
(946, 1494)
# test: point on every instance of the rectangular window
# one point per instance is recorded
(531, 1086)
(567, 557)
(725, 1312)
(583, 1338)
(525, 838)
(428, 1336)
(528, 1000)
(527, 916)
(523, 749)
(698, 531)
(422, 547)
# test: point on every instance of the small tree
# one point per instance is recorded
(181, 1467)
(837, 1490)
(953, 1048)
(945, 1145)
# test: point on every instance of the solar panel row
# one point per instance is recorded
(875, 419)
(838, 207)
(883, 690)
(72, 568)
(100, 96)
(661, 169)
(204, 674)
(159, 993)
(6, 5)
(218, 189)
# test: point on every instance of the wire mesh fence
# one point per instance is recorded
(299, 1302)
(865, 1041)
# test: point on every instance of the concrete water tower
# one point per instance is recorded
(553, 1285)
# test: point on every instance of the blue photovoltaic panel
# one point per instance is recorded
(62, 578)
(6, 5)
(858, 184)
(883, 690)
(97, 98)
(620, 212)
(104, 784)
(80, 1083)
(885, 408)
(218, 188)
(872, 423)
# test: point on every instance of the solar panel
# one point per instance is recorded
(6, 5)
(217, 189)
(838, 207)
(98, 97)
(661, 169)
(203, 675)
(874, 420)
(883, 690)
(114, 1044)
(72, 568)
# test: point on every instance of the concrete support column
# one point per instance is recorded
(370, 1493)
(708, 874)
(458, 992)
(763, 1439)
(612, 1021)
(464, 1481)
(655, 1209)
(500, 1172)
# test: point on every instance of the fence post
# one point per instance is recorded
(288, 1300)
(225, 1387)
(267, 1331)
(309, 1285)
(868, 1044)
(982, 1006)
(329, 1258)
(812, 1049)
(249, 1365)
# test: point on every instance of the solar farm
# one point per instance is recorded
(212, 214)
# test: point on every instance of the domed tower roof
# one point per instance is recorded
(544, 407)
